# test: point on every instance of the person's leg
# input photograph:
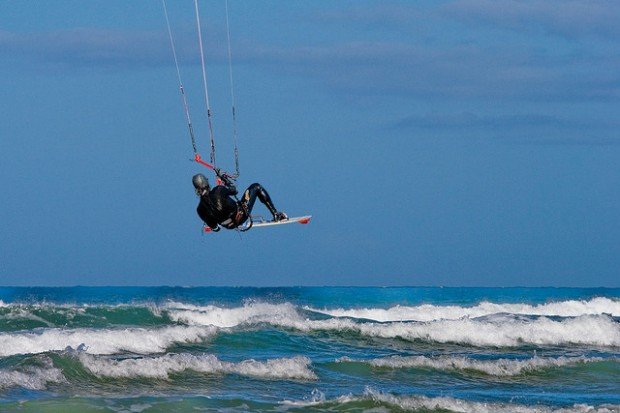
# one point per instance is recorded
(257, 191)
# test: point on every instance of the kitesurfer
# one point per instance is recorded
(218, 208)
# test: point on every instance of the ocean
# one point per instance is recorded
(309, 349)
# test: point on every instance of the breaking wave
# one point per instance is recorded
(466, 406)
(231, 317)
(183, 323)
(498, 331)
(162, 367)
(499, 367)
(441, 404)
(32, 378)
(102, 341)
(429, 312)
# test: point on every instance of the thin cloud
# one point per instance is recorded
(406, 67)
(459, 71)
(91, 47)
(568, 18)
(383, 14)
(468, 120)
(523, 128)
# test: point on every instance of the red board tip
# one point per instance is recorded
(304, 221)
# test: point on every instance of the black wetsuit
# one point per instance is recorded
(219, 208)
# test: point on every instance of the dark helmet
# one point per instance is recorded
(200, 182)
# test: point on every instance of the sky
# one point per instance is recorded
(435, 143)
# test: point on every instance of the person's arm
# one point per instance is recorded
(207, 219)
(231, 190)
(211, 223)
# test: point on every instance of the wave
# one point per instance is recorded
(23, 316)
(162, 367)
(583, 330)
(466, 406)
(429, 312)
(102, 341)
(50, 315)
(439, 404)
(498, 331)
(499, 367)
(230, 317)
(32, 377)
(495, 330)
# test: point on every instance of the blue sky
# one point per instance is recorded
(455, 143)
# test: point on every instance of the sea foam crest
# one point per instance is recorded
(446, 404)
(19, 313)
(254, 312)
(465, 406)
(584, 330)
(499, 330)
(499, 367)
(161, 367)
(33, 378)
(103, 341)
(429, 312)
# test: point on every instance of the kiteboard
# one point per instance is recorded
(258, 221)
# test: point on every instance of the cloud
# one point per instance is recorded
(568, 18)
(104, 48)
(82, 47)
(461, 71)
(525, 68)
(528, 127)
(383, 15)
(468, 120)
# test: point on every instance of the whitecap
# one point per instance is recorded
(499, 331)
(450, 404)
(161, 367)
(429, 312)
(466, 406)
(498, 367)
(31, 377)
(102, 341)
(254, 312)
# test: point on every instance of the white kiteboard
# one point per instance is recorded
(258, 221)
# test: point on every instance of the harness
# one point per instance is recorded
(235, 220)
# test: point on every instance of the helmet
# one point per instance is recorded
(200, 182)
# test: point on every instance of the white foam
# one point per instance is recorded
(161, 367)
(499, 367)
(587, 330)
(17, 313)
(584, 330)
(465, 406)
(428, 312)
(102, 341)
(32, 377)
(230, 317)
(501, 330)
(447, 404)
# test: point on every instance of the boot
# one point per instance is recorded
(280, 216)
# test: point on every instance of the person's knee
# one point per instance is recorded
(255, 187)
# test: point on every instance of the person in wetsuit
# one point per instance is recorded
(217, 206)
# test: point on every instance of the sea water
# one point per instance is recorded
(324, 349)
